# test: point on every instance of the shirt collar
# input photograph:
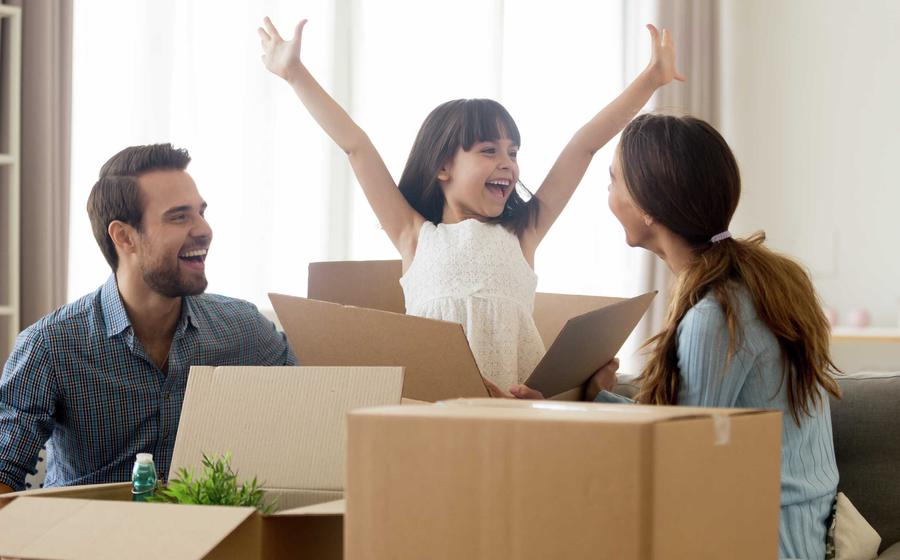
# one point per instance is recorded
(114, 314)
(116, 318)
(188, 314)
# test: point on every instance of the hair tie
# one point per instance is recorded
(720, 236)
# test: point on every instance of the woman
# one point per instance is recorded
(745, 327)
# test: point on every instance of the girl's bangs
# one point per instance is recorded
(486, 121)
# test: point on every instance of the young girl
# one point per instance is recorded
(745, 328)
(466, 238)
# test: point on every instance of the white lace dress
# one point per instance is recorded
(474, 274)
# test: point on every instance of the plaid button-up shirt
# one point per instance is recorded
(81, 381)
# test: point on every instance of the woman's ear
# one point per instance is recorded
(648, 219)
(123, 236)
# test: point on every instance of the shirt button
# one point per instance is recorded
(166, 395)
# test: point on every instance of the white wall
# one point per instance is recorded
(811, 107)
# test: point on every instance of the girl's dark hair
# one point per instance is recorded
(452, 125)
(681, 172)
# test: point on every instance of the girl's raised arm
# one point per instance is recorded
(556, 190)
(399, 220)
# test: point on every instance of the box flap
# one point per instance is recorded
(551, 311)
(284, 425)
(371, 284)
(376, 285)
(435, 354)
(76, 528)
(585, 344)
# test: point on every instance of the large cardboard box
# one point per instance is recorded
(355, 316)
(496, 478)
(285, 425)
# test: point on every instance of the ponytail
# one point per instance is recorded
(785, 300)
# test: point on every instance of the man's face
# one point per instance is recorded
(174, 236)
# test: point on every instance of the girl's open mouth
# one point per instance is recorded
(499, 187)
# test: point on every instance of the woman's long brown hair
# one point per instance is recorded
(681, 172)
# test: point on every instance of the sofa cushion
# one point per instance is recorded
(867, 448)
(853, 538)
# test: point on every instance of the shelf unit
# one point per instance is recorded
(10, 169)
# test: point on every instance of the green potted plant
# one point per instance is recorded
(216, 486)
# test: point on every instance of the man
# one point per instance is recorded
(102, 379)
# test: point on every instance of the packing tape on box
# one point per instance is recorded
(721, 429)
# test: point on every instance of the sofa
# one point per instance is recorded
(866, 424)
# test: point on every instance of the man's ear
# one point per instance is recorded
(123, 236)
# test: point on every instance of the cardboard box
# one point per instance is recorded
(497, 478)
(355, 317)
(285, 425)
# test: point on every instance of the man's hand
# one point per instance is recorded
(604, 379)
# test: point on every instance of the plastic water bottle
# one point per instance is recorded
(143, 477)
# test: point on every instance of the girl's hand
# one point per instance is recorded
(662, 60)
(515, 392)
(281, 57)
(494, 391)
(526, 393)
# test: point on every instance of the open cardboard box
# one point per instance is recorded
(498, 478)
(355, 316)
(284, 425)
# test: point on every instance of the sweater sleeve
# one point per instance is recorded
(613, 398)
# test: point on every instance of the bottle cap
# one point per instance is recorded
(144, 458)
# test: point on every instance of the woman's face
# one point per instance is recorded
(633, 220)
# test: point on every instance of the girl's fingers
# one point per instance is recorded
(666, 38)
(654, 32)
(270, 28)
(298, 31)
(262, 34)
(680, 77)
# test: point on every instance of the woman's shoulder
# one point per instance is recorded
(707, 317)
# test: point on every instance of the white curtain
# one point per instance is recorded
(189, 72)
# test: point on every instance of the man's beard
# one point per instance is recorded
(166, 280)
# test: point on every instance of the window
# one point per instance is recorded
(280, 194)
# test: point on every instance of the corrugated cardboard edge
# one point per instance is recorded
(538, 410)
(336, 507)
